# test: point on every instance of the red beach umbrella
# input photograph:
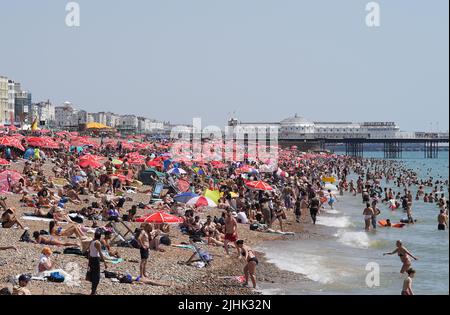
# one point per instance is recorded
(11, 142)
(160, 217)
(4, 162)
(258, 185)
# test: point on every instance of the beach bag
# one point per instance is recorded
(165, 240)
(77, 219)
(134, 243)
(56, 277)
(25, 237)
(111, 275)
(205, 256)
(88, 276)
(73, 251)
(126, 279)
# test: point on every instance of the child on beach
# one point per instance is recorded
(407, 284)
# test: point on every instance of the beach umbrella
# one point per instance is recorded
(258, 185)
(117, 162)
(154, 163)
(184, 197)
(12, 142)
(202, 201)
(159, 217)
(246, 169)
(8, 178)
(218, 164)
(90, 163)
(4, 162)
(91, 157)
(183, 185)
(176, 171)
(330, 187)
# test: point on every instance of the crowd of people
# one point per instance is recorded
(90, 184)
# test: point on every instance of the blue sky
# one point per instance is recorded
(264, 59)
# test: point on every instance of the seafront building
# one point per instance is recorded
(297, 127)
(4, 113)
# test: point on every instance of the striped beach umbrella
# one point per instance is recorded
(202, 201)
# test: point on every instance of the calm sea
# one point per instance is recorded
(338, 265)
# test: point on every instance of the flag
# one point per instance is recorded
(34, 125)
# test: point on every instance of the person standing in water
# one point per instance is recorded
(314, 208)
(404, 255)
(407, 284)
(368, 213)
(376, 212)
(442, 220)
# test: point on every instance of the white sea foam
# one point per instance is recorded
(340, 222)
(353, 239)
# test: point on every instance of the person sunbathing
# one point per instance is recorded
(9, 219)
(56, 230)
(49, 240)
(106, 245)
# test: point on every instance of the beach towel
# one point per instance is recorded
(34, 218)
(280, 233)
(184, 246)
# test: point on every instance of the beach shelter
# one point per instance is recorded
(159, 217)
(258, 185)
(184, 197)
(202, 201)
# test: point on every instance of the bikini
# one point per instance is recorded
(250, 259)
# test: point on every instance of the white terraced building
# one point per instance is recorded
(300, 128)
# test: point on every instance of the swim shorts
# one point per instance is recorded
(231, 237)
(441, 227)
(145, 253)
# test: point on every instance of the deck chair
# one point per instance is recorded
(202, 255)
(123, 233)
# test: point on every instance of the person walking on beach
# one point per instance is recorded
(314, 208)
(249, 256)
(404, 255)
(95, 256)
(368, 214)
(442, 220)
(144, 243)
(230, 231)
(407, 284)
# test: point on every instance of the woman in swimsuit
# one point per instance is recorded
(49, 240)
(404, 255)
(57, 230)
(252, 262)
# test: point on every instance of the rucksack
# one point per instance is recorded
(25, 237)
(56, 277)
(165, 240)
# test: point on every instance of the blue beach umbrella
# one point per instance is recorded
(184, 197)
